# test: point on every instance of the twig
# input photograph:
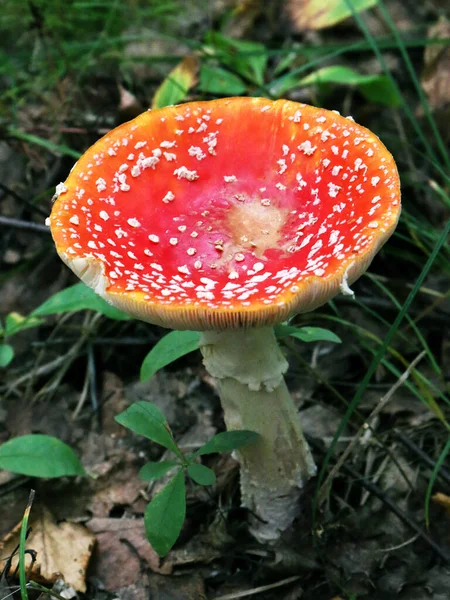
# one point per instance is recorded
(88, 325)
(9, 192)
(20, 224)
(42, 370)
(378, 492)
(92, 378)
(414, 448)
(83, 396)
(399, 546)
(258, 590)
(365, 426)
(40, 588)
(98, 341)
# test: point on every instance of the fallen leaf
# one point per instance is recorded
(122, 548)
(204, 547)
(177, 83)
(129, 105)
(182, 587)
(317, 14)
(113, 403)
(62, 550)
(435, 76)
(442, 499)
(117, 484)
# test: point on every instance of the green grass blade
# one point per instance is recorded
(50, 146)
(22, 542)
(409, 113)
(416, 82)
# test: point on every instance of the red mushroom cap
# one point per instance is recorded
(229, 213)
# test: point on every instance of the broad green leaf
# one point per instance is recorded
(307, 334)
(146, 419)
(201, 474)
(78, 297)
(177, 84)
(317, 14)
(39, 456)
(172, 346)
(214, 80)
(6, 354)
(155, 470)
(16, 322)
(249, 59)
(228, 441)
(376, 88)
(381, 90)
(164, 516)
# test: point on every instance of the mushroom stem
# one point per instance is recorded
(249, 368)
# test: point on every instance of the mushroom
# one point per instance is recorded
(228, 217)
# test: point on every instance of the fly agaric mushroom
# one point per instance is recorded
(228, 217)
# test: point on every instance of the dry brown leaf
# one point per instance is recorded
(122, 549)
(436, 74)
(113, 403)
(117, 484)
(188, 586)
(129, 105)
(63, 549)
(317, 14)
(442, 499)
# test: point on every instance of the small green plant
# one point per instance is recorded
(14, 323)
(39, 455)
(165, 514)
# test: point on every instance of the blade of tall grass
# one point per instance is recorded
(423, 99)
(408, 112)
(414, 327)
(425, 396)
(50, 146)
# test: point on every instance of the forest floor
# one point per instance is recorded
(376, 525)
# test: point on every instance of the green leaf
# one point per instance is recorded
(177, 84)
(201, 474)
(317, 14)
(39, 456)
(146, 419)
(307, 334)
(6, 354)
(172, 346)
(156, 470)
(249, 59)
(164, 516)
(16, 322)
(376, 88)
(78, 297)
(214, 80)
(228, 441)
(381, 90)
